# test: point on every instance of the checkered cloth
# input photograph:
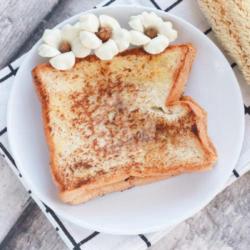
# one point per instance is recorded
(74, 236)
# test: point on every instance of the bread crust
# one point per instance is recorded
(82, 194)
(129, 176)
(44, 99)
(181, 76)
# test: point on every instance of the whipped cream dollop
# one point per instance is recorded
(151, 32)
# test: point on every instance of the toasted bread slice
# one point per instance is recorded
(108, 126)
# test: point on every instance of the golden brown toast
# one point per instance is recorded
(111, 125)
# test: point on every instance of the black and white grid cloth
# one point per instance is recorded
(74, 236)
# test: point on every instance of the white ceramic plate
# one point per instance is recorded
(152, 207)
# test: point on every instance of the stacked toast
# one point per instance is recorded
(112, 125)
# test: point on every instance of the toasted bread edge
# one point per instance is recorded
(84, 194)
(45, 109)
(182, 74)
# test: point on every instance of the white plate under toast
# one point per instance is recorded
(147, 208)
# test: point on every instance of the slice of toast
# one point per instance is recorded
(114, 124)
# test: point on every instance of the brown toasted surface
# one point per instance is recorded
(106, 122)
(159, 161)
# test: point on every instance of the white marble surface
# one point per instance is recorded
(223, 224)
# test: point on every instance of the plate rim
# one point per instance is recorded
(73, 219)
